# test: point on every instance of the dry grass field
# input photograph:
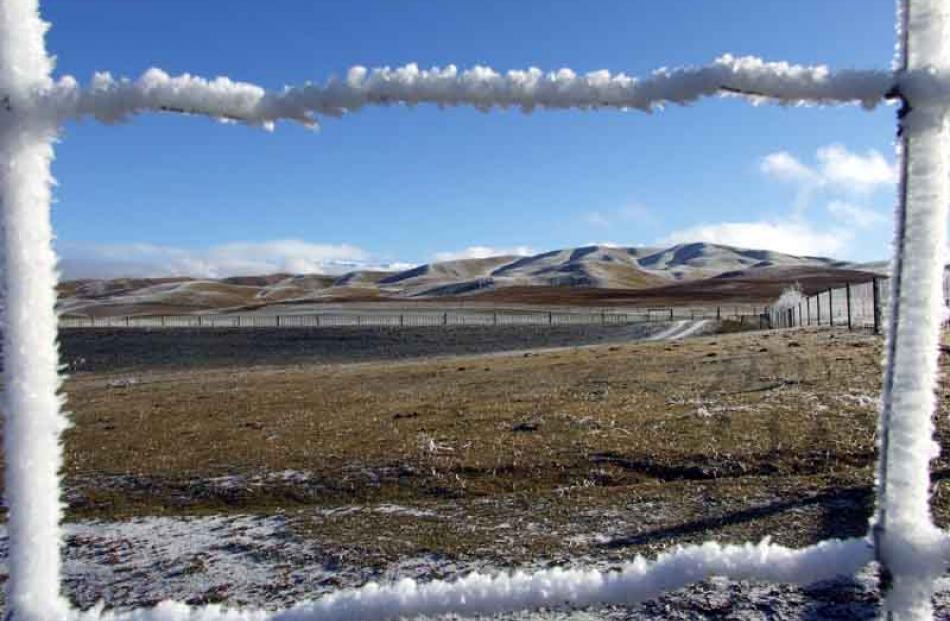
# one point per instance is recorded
(597, 451)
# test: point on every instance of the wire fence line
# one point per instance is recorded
(854, 306)
(746, 314)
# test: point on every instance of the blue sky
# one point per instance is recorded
(166, 194)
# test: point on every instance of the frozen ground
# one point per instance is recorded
(620, 449)
(247, 560)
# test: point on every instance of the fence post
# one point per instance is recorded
(718, 313)
(847, 293)
(876, 295)
(445, 318)
(550, 318)
(831, 309)
(671, 313)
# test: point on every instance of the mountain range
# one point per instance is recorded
(683, 273)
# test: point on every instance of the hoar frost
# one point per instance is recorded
(34, 105)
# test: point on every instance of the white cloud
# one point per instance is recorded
(233, 259)
(482, 252)
(797, 238)
(836, 176)
(861, 217)
(784, 166)
(845, 169)
(836, 168)
(395, 266)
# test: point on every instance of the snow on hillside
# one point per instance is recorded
(698, 260)
(191, 294)
(603, 267)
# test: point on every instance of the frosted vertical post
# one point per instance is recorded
(907, 543)
(906, 539)
(31, 405)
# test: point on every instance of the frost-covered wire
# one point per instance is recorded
(33, 421)
(109, 99)
(908, 544)
(477, 594)
(32, 106)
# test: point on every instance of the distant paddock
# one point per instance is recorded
(117, 349)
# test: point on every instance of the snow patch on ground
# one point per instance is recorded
(242, 560)
(385, 509)
(681, 330)
(246, 560)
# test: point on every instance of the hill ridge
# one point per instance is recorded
(593, 267)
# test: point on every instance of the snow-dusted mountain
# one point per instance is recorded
(702, 260)
(588, 267)
(605, 267)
